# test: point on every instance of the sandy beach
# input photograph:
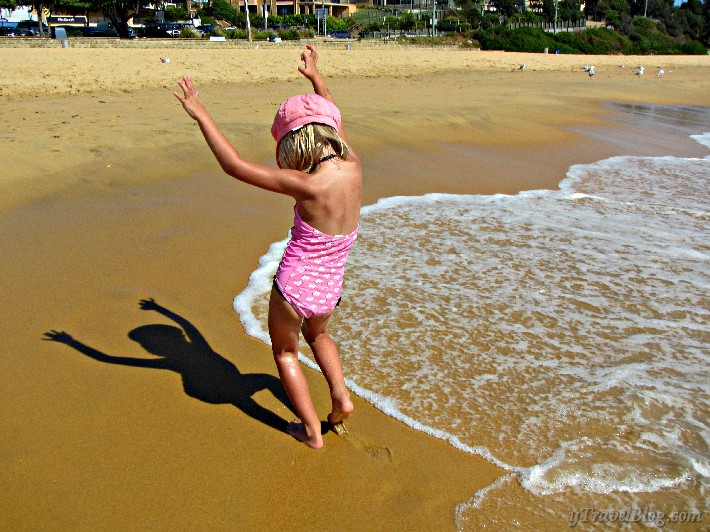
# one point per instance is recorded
(109, 196)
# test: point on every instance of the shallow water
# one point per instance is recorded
(562, 335)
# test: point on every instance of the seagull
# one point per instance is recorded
(640, 71)
(522, 67)
(585, 68)
(591, 71)
(661, 72)
(621, 66)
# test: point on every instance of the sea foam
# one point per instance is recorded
(561, 335)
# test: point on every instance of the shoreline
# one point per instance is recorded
(103, 442)
(86, 134)
(126, 70)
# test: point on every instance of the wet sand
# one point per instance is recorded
(109, 196)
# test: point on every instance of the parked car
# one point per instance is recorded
(7, 31)
(108, 28)
(93, 31)
(340, 34)
(162, 29)
(33, 27)
(205, 28)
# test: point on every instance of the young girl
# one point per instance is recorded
(322, 173)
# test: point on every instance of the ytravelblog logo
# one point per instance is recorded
(632, 515)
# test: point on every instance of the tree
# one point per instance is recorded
(613, 11)
(392, 23)
(570, 10)
(689, 19)
(591, 9)
(8, 4)
(39, 6)
(117, 11)
(70, 6)
(465, 4)
(246, 11)
(660, 9)
(507, 8)
(176, 13)
(221, 10)
(693, 5)
(407, 22)
(474, 16)
(548, 9)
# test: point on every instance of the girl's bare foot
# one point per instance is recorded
(299, 431)
(342, 408)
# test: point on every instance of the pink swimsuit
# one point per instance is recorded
(310, 275)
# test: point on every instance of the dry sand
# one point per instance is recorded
(108, 195)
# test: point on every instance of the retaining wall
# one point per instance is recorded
(113, 42)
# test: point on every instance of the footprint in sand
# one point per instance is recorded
(374, 451)
(379, 453)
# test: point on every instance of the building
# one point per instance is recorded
(335, 8)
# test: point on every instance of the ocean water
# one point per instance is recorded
(563, 335)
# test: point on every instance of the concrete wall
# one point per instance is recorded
(112, 42)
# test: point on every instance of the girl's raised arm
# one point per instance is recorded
(311, 73)
(281, 181)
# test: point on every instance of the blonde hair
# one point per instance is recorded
(301, 149)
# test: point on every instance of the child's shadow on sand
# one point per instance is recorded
(205, 375)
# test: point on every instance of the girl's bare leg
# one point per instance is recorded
(315, 331)
(284, 329)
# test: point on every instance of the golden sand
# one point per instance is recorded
(108, 196)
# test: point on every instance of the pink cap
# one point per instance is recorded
(304, 109)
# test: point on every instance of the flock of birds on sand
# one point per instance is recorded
(590, 70)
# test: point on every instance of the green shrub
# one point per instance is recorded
(654, 43)
(526, 16)
(645, 25)
(529, 39)
(240, 33)
(523, 39)
(188, 33)
(566, 49)
(694, 48)
(260, 35)
(603, 41)
(176, 13)
(221, 10)
(450, 39)
(335, 24)
(217, 32)
(296, 20)
(568, 43)
(236, 34)
(493, 42)
(289, 35)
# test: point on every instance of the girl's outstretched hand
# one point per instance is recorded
(309, 58)
(190, 99)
